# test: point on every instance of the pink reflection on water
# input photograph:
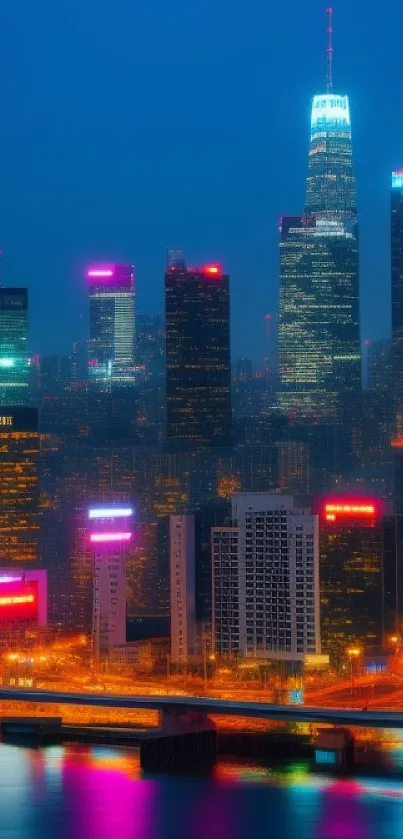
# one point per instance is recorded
(107, 802)
(344, 815)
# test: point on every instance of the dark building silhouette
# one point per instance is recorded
(198, 364)
(397, 284)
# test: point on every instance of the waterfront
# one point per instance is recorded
(84, 792)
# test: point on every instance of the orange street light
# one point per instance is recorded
(354, 652)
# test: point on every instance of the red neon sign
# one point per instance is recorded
(355, 508)
(13, 601)
(18, 600)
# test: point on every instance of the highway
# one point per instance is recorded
(217, 707)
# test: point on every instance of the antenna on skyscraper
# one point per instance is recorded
(329, 49)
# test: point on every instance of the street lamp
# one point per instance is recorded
(353, 654)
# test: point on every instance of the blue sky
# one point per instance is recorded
(130, 126)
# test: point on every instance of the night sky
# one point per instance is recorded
(131, 125)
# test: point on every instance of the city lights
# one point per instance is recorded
(110, 512)
(99, 538)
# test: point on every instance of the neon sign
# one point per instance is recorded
(98, 538)
(109, 512)
(17, 600)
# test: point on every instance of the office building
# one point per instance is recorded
(331, 186)
(14, 361)
(397, 454)
(266, 580)
(183, 587)
(109, 536)
(396, 249)
(351, 554)
(19, 497)
(319, 341)
(319, 334)
(111, 359)
(198, 364)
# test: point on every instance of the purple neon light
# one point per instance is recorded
(110, 537)
(10, 579)
(100, 272)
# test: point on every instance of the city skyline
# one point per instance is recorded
(268, 175)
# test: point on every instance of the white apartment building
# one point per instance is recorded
(183, 587)
(266, 580)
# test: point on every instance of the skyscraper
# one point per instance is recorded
(319, 335)
(266, 580)
(397, 285)
(319, 343)
(198, 361)
(111, 358)
(19, 494)
(14, 362)
(109, 537)
(351, 555)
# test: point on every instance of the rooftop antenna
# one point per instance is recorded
(329, 49)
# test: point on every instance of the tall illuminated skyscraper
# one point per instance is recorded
(111, 358)
(14, 362)
(319, 334)
(397, 284)
(198, 359)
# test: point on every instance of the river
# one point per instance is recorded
(80, 792)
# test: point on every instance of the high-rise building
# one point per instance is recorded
(198, 362)
(109, 536)
(111, 358)
(319, 342)
(266, 580)
(331, 186)
(14, 361)
(19, 494)
(351, 556)
(319, 335)
(183, 587)
(396, 243)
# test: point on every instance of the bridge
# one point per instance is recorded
(201, 707)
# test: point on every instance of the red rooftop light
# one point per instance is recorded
(397, 443)
(212, 269)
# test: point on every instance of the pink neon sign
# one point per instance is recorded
(97, 538)
(100, 272)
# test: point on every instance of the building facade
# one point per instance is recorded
(111, 353)
(183, 587)
(14, 361)
(198, 361)
(266, 580)
(319, 340)
(19, 492)
(351, 558)
(109, 536)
